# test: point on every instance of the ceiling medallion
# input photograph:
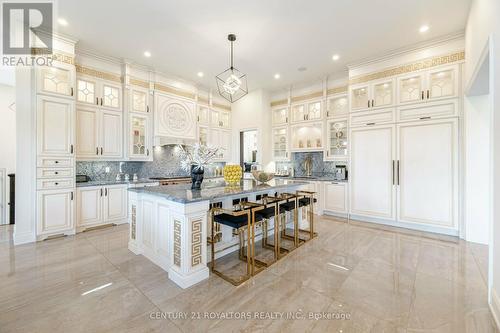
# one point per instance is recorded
(232, 84)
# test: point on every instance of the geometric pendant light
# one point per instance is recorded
(232, 84)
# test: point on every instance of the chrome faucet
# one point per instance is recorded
(307, 165)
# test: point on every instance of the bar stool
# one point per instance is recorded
(307, 201)
(291, 204)
(239, 220)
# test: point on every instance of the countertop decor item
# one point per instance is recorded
(262, 176)
(232, 174)
(232, 84)
(194, 159)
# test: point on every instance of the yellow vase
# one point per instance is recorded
(232, 174)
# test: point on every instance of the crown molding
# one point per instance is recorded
(407, 49)
(79, 51)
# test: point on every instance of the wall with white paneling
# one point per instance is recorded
(8, 146)
(477, 168)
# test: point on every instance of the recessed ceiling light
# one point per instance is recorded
(62, 22)
(277, 76)
(424, 28)
(335, 57)
(147, 54)
(200, 74)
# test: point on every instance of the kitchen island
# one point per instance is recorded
(169, 225)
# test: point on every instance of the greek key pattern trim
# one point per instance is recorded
(306, 97)
(332, 91)
(133, 222)
(173, 91)
(196, 243)
(280, 102)
(177, 243)
(57, 56)
(99, 74)
(139, 83)
(222, 106)
(202, 100)
(413, 67)
(337, 90)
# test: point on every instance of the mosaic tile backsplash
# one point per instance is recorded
(166, 163)
(319, 167)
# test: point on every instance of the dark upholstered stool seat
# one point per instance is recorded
(266, 213)
(287, 206)
(306, 201)
(233, 221)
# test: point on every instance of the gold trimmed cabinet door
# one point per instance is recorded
(55, 126)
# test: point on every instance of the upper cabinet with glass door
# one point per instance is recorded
(337, 141)
(280, 144)
(139, 100)
(57, 80)
(337, 106)
(307, 111)
(98, 92)
(280, 116)
(204, 115)
(140, 140)
(376, 94)
(220, 118)
(430, 85)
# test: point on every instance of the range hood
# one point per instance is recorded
(169, 141)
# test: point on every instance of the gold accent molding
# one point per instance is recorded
(57, 56)
(177, 243)
(412, 67)
(332, 91)
(139, 83)
(98, 74)
(133, 225)
(202, 100)
(173, 91)
(280, 102)
(196, 243)
(336, 90)
(306, 97)
(222, 106)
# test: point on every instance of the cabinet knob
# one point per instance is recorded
(56, 173)
(56, 184)
(56, 162)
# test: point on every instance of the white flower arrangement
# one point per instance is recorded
(200, 156)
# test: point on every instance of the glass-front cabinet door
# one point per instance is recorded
(86, 91)
(280, 116)
(360, 97)
(382, 94)
(337, 106)
(307, 136)
(280, 143)
(314, 110)
(139, 100)
(225, 119)
(56, 80)
(214, 118)
(203, 115)
(111, 96)
(337, 136)
(139, 137)
(410, 88)
(442, 83)
(203, 135)
(298, 112)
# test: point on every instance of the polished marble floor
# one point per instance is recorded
(356, 277)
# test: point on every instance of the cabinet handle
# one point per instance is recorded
(106, 192)
(101, 150)
(373, 103)
(428, 94)
(72, 92)
(147, 108)
(423, 94)
(393, 173)
(147, 152)
(97, 100)
(97, 150)
(286, 120)
(71, 196)
(398, 173)
(101, 101)
(335, 183)
(368, 103)
(423, 118)
(370, 124)
(71, 149)
(101, 192)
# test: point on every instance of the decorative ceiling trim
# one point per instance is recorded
(336, 90)
(99, 74)
(173, 91)
(56, 55)
(203, 101)
(139, 83)
(279, 103)
(412, 67)
(306, 97)
(221, 106)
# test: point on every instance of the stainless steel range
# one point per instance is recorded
(172, 181)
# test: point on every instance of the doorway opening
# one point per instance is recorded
(248, 150)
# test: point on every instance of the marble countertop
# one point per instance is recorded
(115, 182)
(315, 178)
(182, 193)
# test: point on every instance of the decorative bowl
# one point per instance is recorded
(233, 174)
(262, 176)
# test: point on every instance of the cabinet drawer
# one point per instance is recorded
(367, 118)
(51, 184)
(54, 172)
(440, 109)
(55, 162)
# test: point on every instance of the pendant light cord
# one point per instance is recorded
(232, 55)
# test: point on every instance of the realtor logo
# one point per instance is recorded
(27, 28)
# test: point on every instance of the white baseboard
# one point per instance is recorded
(188, 280)
(24, 238)
(495, 307)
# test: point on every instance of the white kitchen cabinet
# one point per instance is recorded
(174, 117)
(220, 118)
(280, 116)
(140, 137)
(280, 144)
(429, 85)
(55, 126)
(99, 134)
(335, 197)
(55, 212)
(337, 140)
(139, 100)
(203, 115)
(307, 137)
(427, 172)
(309, 111)
(337, 106)
(372, 95)
(373, 192)
(56, 80)
(372, 117)
(99, 92)
(221, 138)
(99, 205)
(203, 135)
(430, 110)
